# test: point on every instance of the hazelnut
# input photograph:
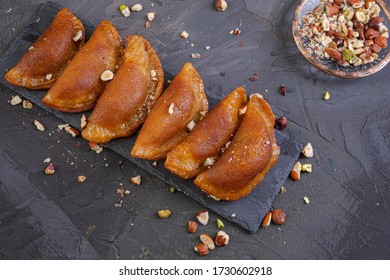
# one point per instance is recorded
(331, 10)
(202, 249)
(371, 33)
(136, 180)
(192, 226)
(295, 173)
(281, 123)
(375, 48)
(381, 41)
(374, 22)
(278, 217)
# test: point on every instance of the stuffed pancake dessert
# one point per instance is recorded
(184, 101)
(251, 154)
(86, 76)
(208, 138)
(128, 98)
(45, 60)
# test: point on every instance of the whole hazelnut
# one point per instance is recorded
(281, 123)
(374, 22)
(278, 217)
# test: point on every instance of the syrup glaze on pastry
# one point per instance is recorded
(128, 98)
(208, 137)
(251, 154)
(45, 60)
(80, 85)
(165, 126)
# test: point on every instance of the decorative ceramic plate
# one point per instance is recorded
(330, 66)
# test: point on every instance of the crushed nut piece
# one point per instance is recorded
(136, 8)
(196, 55)
(184, 34)
(81, 178)
(78, 35)
(326, 96)
(49, 76)
(27, 104)
(95, 147)
(221, 239)
(39, 126)
(237, 32)
(192, 226)
(107, 75)
(151, 16)
(171, 109)
(307, 150)
(202, 249)
(296, 171)
(220, 5)
(136, 180)
(282, 189)
(203, 217)
(306, 199)
(148, 24)
(172, 189)
(242, 110)
(220, 224)
(63, 126)
(49, 170)
(83, 121)
(31, 48)
(266, 220)
(163, 214)
(16, 100)
(47, 160)
(72, 131)
(209, 161)
(191, 125)
(206, 239)
(307, 167)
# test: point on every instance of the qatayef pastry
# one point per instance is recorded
(166, 125)
(126, 101)
(208, 138)
(45, 60)
(251, 154)
(83, 80)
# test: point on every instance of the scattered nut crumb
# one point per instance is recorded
(83, 121)
(192, 226)
(282, 90)
(119, 203)
(49, 170)
(307, 167)
(326, 96)
(306, 199)
(184, 35)
(172, 189)
(171, 109)
(196, 55)
(214, 197)
(72, 131)
(191, 125)
(209, 162)
(221, 239)
(281, 123)
(242, 110)
(202, 249)
(307, 150)
(95, 147)
(207, 47)
(151, 16)
(163, 214)
(49, 76)
(203, 217)
(148, 24)
(136, 8)
(27, 104)
(39, 126)
(16, 100)
(31, 48)
(47, 160)
(107, 75)
(220, 224)
(237, 32)
(282, 189)
(233, 215)
(136, 180)
(63, 126)
(266, 220)
(81, 178)
(220, 5)
(207, 240)
(124, 10)
(78, 35)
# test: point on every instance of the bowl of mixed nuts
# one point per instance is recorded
(345, 38)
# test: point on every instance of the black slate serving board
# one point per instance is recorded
(247, 212)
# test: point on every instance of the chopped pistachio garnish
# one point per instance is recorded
(172, 189)
(307, 167)
(220, 224)
(326, 96)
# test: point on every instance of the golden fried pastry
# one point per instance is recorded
(165, 126)
(80, 85)
(251, 154)
(208, 138)
(45, 60)
(126, 101)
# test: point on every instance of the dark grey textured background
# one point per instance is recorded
(347, 218)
